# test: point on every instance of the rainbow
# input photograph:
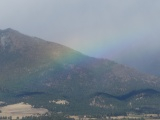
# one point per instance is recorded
(110, 47)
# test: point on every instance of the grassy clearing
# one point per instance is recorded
(21, 110)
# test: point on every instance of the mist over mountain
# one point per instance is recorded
(36, 71)
(144, 58)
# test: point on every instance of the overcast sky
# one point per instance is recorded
(99, 28)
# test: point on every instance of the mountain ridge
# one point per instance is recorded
(31, 66)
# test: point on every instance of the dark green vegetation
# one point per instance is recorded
(145, 92)
(51, 116)
(36, 71)
(48, 117)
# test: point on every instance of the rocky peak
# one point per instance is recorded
(4, 38)
(11, 40)
(7, 31)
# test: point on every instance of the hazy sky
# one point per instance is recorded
(100, 28)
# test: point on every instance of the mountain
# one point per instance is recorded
(39, 72)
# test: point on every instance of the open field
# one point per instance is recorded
(21, 110)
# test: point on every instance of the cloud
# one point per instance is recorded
(85, 24)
